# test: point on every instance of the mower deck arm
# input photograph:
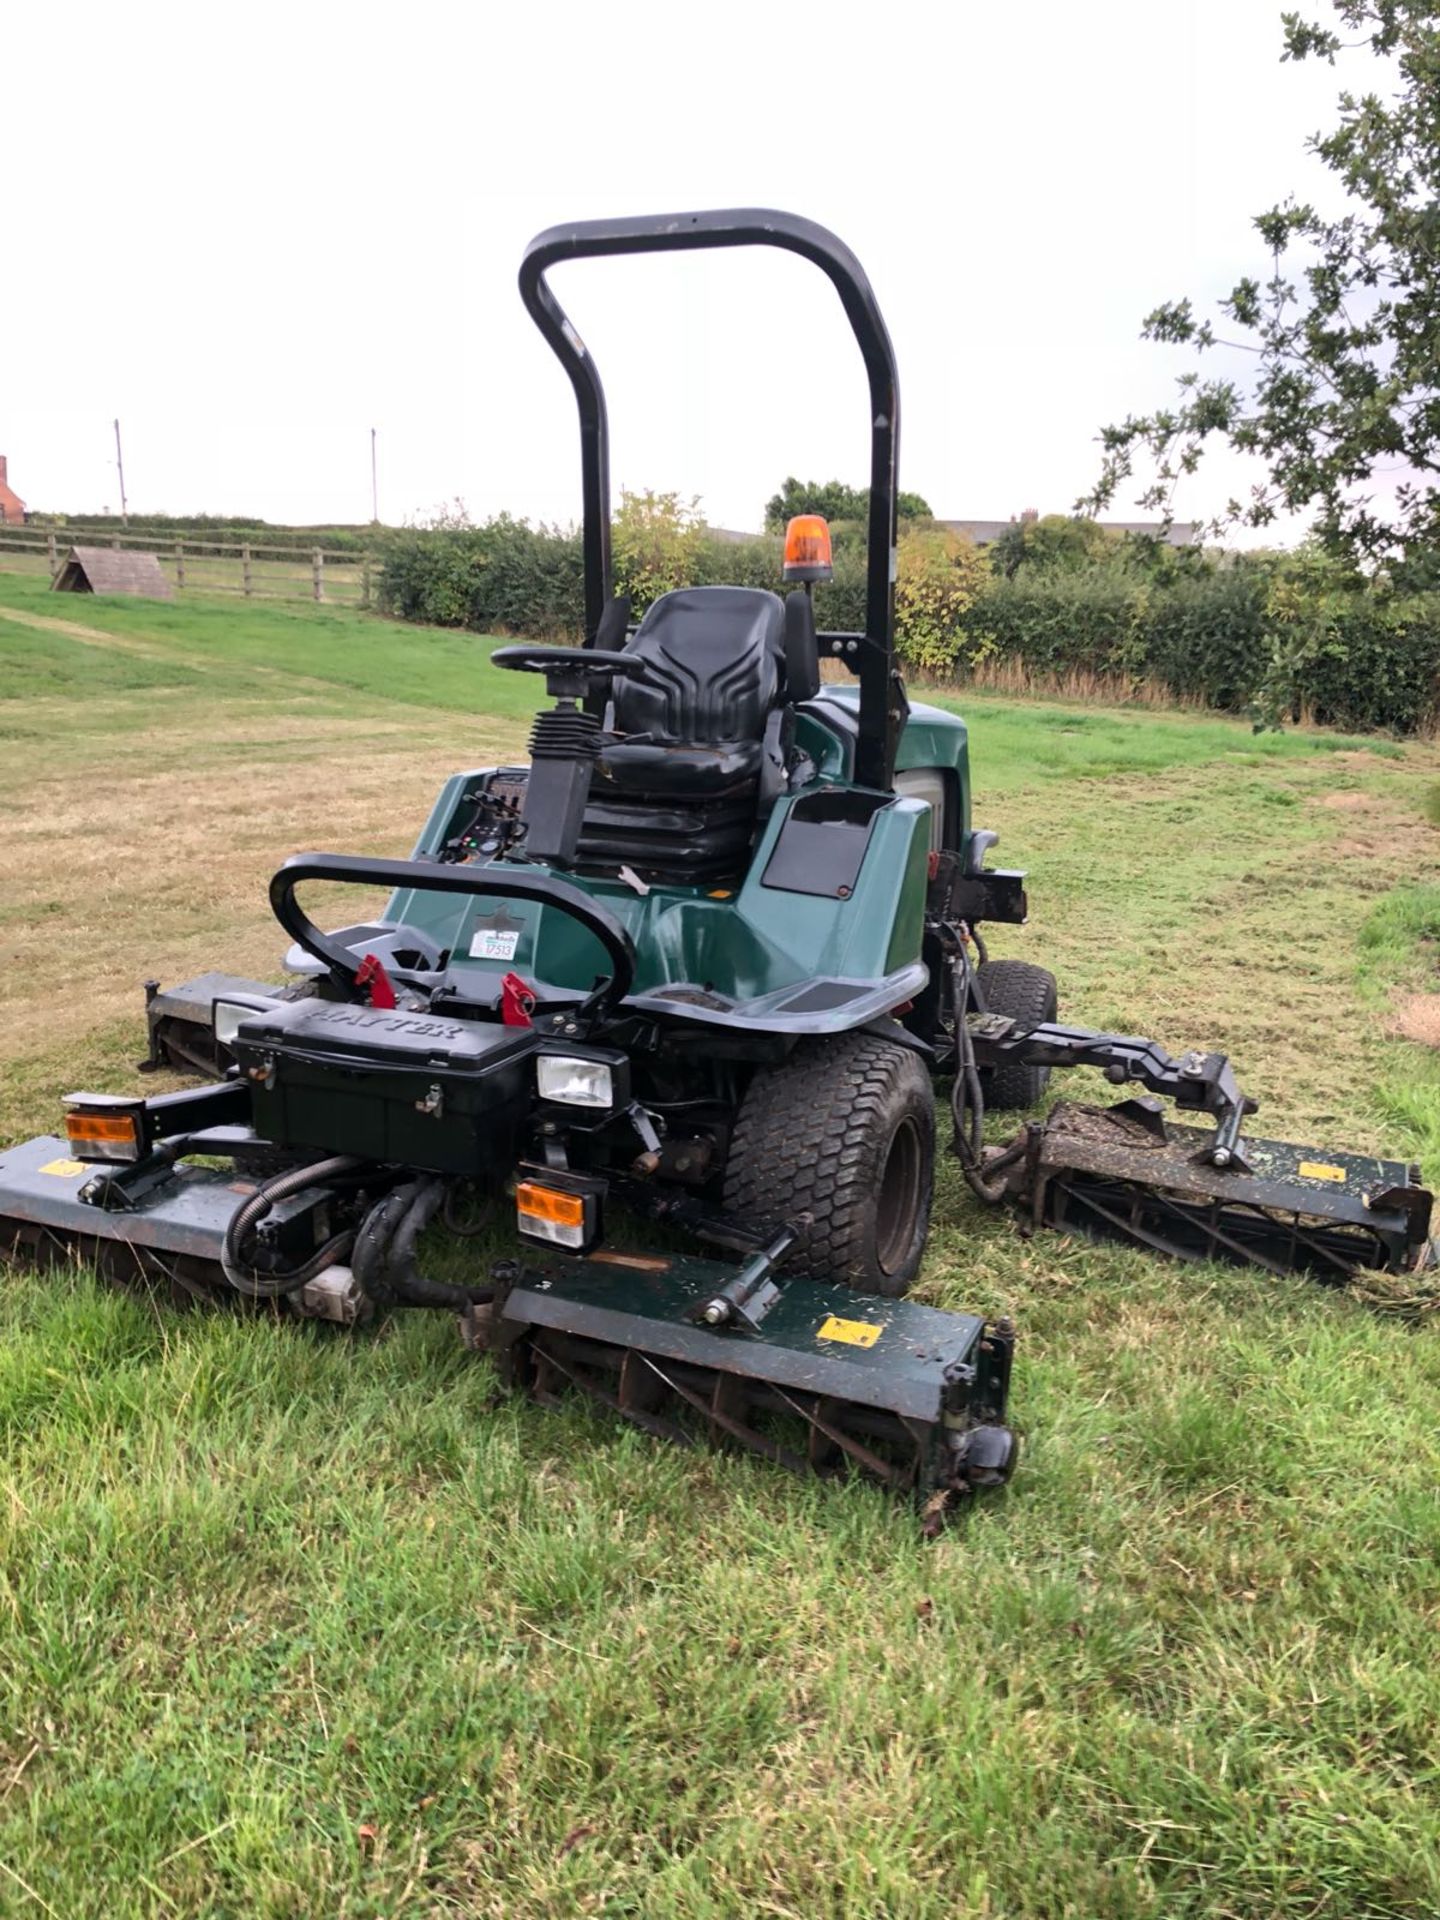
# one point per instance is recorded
(1203, 1082)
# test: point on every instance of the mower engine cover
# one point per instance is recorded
(444, 1096)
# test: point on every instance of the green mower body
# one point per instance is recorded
(823, 932)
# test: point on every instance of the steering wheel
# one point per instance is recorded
(582, 667)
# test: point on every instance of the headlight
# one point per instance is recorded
(228, 1016)
(574, 1082)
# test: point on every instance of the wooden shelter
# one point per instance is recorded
(105, 570)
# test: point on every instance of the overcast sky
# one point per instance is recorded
(254, 234)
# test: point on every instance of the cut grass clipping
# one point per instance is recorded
(293, 1624)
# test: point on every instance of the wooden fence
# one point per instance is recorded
(260, 570)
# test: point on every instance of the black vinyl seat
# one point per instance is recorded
(680, 769)
(714, 659)
(696, 749)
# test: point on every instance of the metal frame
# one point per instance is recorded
(882, 704)
(511, 882)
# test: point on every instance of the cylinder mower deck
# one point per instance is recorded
(1126, 1173)
(822, 1380)
(815, 1378)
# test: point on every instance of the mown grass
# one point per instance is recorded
(342, 648)
(292, 1624)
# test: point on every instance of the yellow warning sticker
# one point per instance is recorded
(64, 1169)
(1317, 1170)
(855, 1333)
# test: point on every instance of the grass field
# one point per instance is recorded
(293, 1625)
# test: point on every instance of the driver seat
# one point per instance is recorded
(697, 748)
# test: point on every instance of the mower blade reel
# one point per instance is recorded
(170, 1228)
(1122, 1173)
(830, 1381)
(181, 1022)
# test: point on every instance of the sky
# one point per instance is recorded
(253, 236)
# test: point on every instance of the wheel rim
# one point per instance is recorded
(899, 1199)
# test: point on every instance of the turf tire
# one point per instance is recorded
(1025, 993)
(843, 1130)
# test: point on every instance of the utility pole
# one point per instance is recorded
(120, 467)
(374, 483)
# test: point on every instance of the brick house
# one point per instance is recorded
(12, 507)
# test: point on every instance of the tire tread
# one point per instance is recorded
(799, 1147)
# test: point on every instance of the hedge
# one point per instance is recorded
(196, 530)
(1269, 635)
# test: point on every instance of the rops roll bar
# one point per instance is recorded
(882, 707)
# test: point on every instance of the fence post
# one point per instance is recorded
(54, 556)
(245, 568)
(318, 574)
(115, 543)
(365, 580)
(179, 563)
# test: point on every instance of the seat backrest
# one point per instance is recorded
(716, 660)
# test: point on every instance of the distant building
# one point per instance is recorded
(12, 507)
(983, 532)
(1177, 534)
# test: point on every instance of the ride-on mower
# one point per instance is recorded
(702, 963)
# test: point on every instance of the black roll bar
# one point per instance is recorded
(882, 706)
(512, 883)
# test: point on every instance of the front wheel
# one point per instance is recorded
(844, 1131)
(1026, 993)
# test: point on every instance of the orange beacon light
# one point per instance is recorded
(807, 548)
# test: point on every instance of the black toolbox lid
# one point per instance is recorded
(327, 1029)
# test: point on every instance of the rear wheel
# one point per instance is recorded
(844, 1130)
(1025, 993)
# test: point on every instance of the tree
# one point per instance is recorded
(941, 575)
(1056, 543)
(837, 501)
(908, 506)
(1345, 331)
(655, 540)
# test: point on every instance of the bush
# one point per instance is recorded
(1275, 635)
(503, 577)
(837, 500)
(1062, 624)
(203, 532)
(655, 541)
(1207, 636)
(939, 578)
(1268, 634)
(1056, 543)
(1351, 658)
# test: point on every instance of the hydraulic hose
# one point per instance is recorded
(372, 1242)
(253, 1282)
(985, 1178)
(384, 1259)
(406, 1281)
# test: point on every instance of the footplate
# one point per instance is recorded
(1125, 1173)
(831, 1380)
